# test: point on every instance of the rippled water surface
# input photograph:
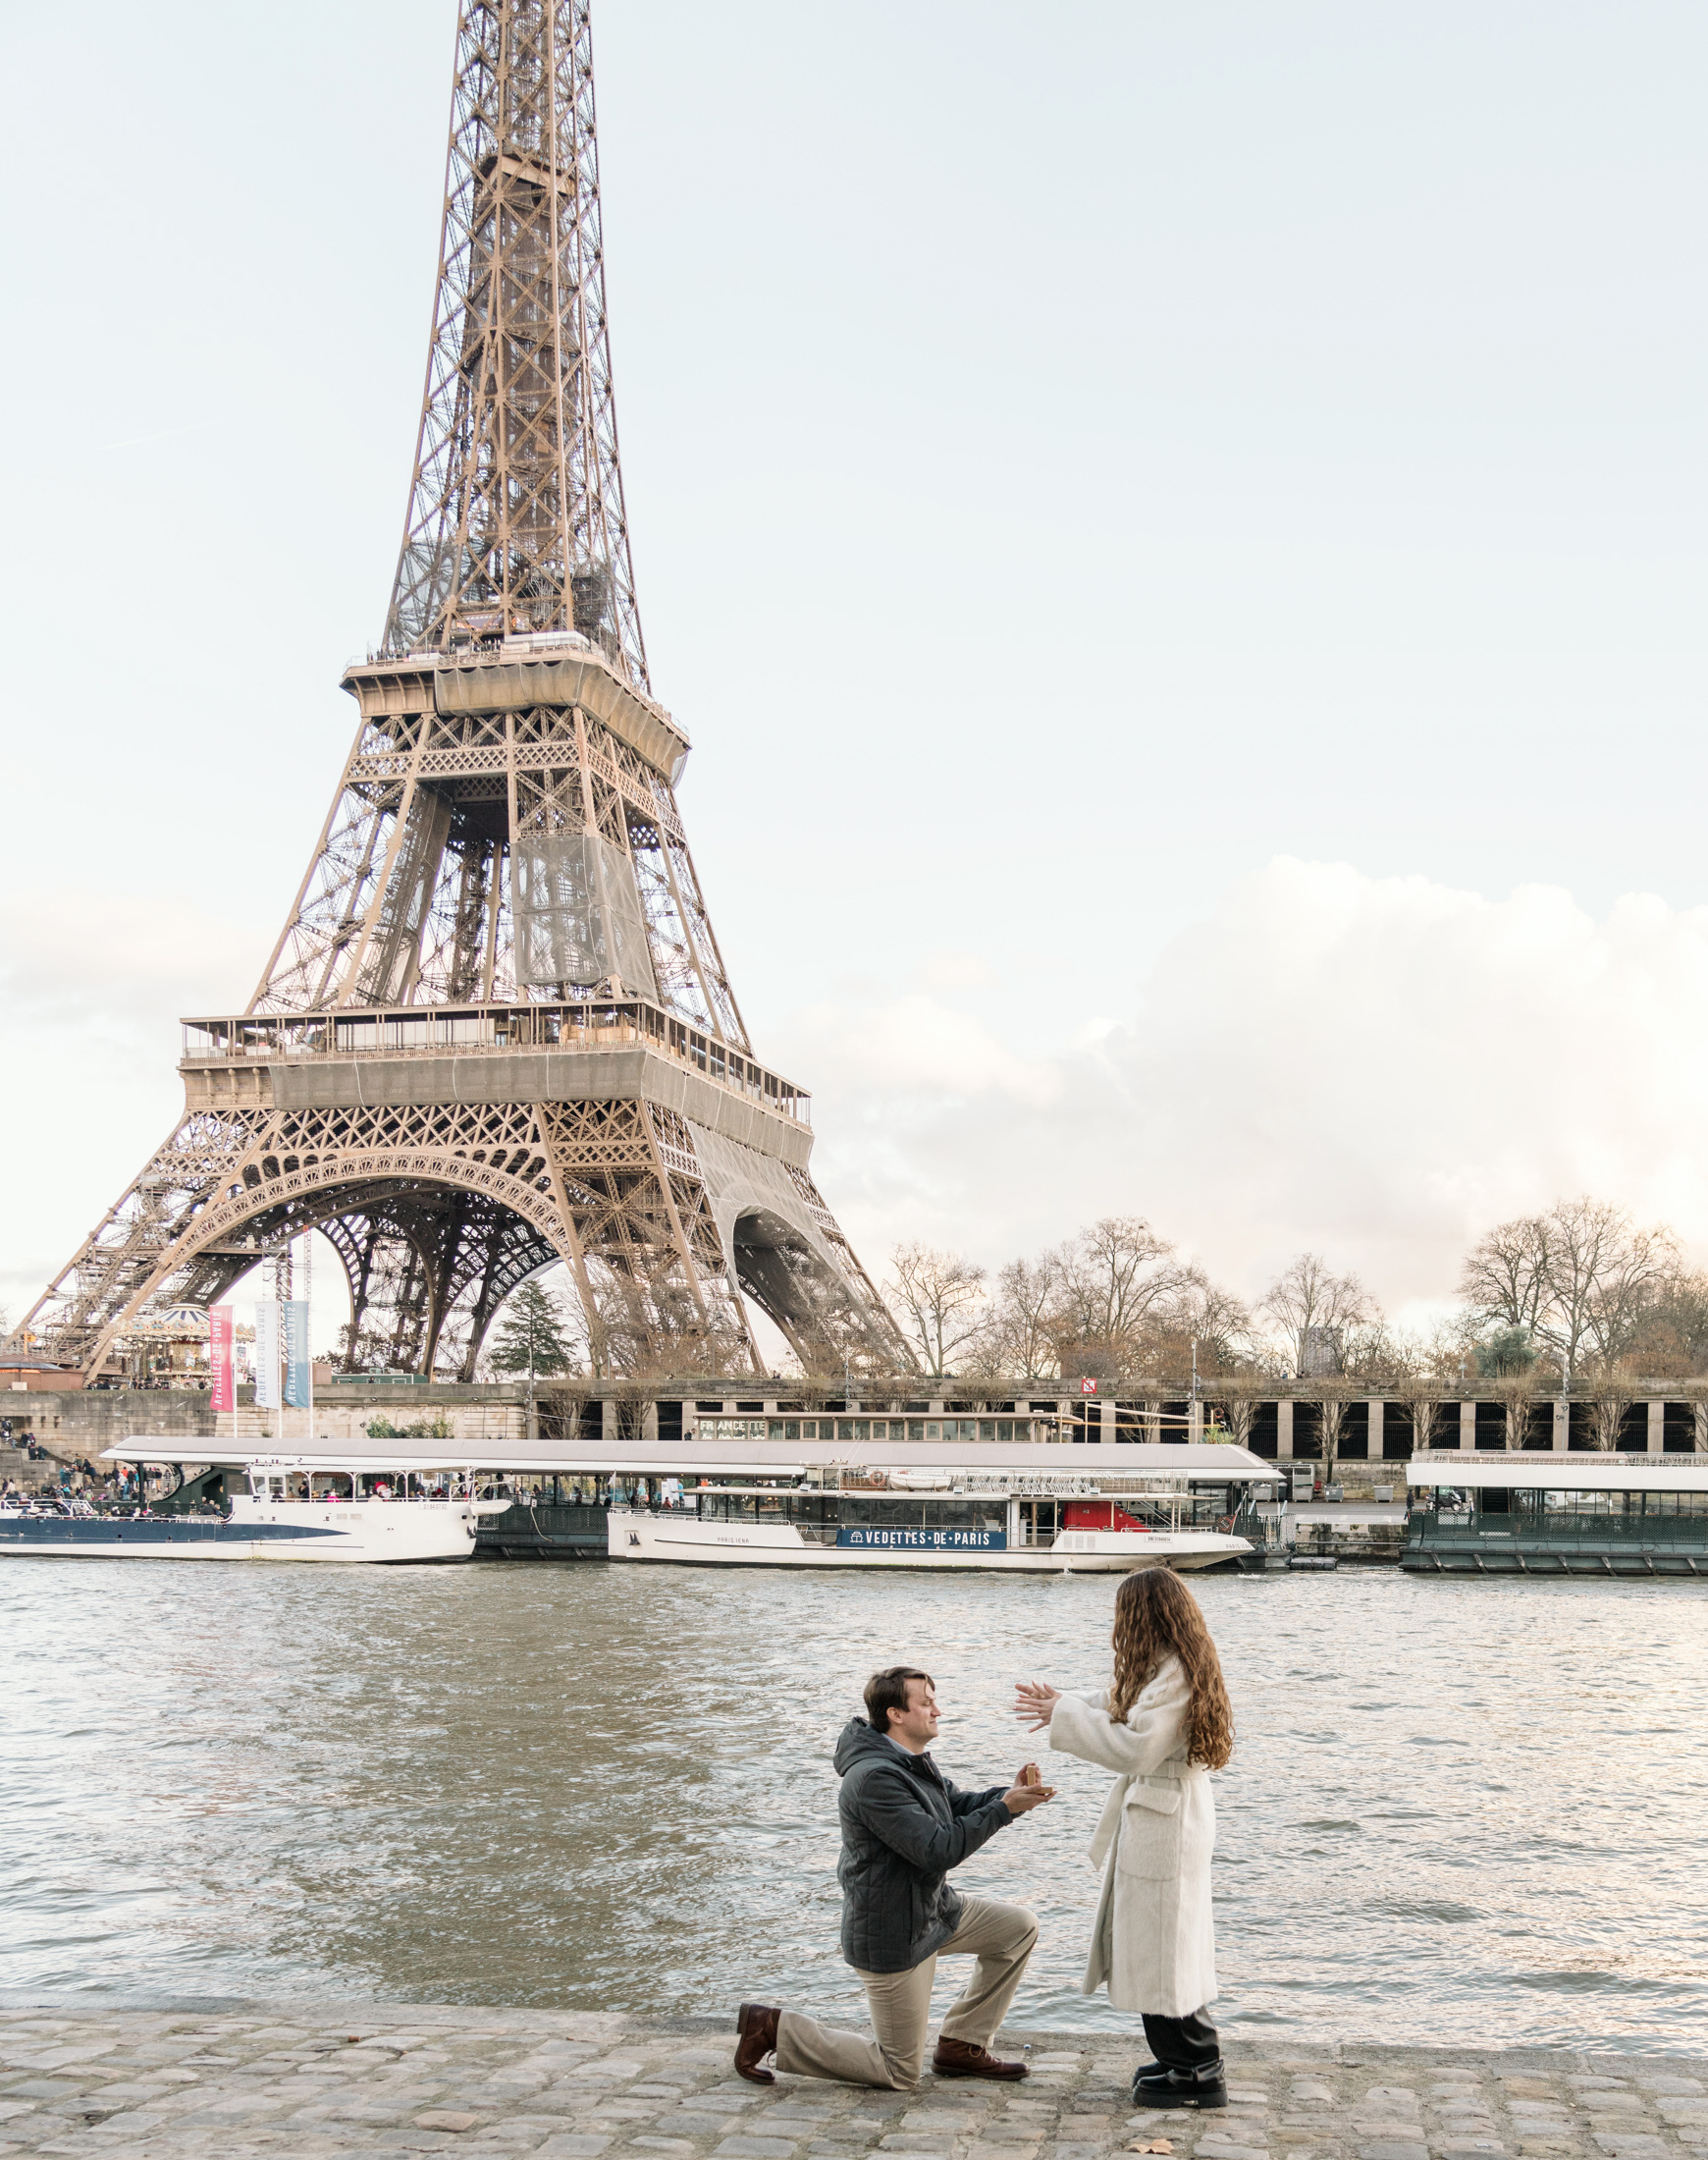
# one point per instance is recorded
(1468, 1812)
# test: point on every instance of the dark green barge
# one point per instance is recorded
(1557, 1514)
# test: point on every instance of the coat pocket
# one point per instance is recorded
(1150, 1846)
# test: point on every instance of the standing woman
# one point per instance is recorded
(1162, 1727)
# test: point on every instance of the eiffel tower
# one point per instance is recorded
(497, 1032)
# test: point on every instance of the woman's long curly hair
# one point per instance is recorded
(1158, 1617)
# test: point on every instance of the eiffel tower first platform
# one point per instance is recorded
(497, 1032)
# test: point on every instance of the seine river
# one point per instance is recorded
(1460, 1812)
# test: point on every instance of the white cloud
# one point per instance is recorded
(1376, 1068)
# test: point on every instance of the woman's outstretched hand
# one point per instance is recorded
(1036, 1703)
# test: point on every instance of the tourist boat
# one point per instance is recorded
(1004, 1509)
(354, 1508)
(1557, 1514)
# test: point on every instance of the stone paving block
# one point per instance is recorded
(445, 2119)
(770, 2148)
(1631, 2144)
(1392, 2148)
(1220, 2148)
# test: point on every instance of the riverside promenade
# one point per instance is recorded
(311, 2079)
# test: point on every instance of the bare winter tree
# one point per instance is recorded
(1421, 1364)
(1201, 1312)
(1517, 1390)
(1598, 1267)
(1237, 1401)
(938, 1300)
(1504, 1279)
(1672, 1338)
(1607, 1415)
(1307, 1295)
(1331, 1410)
(1635, 1269)
(1021, 1335)
(1113, 1280)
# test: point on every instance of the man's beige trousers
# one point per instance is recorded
(1001, 1936)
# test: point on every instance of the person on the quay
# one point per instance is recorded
(904, 1826)
(1162, 1727)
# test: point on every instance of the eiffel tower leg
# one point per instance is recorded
(668, 1298)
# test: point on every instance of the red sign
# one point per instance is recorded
(1088, 1387)
(219, 1351)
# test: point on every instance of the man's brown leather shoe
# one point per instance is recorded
(755, 2039)
(961, 2059)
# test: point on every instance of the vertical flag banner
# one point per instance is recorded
(296, 1374)
(267, 1357)
(219, 1352)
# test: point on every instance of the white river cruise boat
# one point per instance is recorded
(1004, 1509)
(367, 1508)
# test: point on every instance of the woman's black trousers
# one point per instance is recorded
(1184, 2043)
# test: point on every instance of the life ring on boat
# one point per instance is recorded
(1225, 1524)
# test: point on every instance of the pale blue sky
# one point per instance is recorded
(1073, 456)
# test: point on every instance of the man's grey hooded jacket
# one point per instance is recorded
(904, 1826)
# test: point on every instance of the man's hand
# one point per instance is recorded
(1028, 1791)
(1036, 1703)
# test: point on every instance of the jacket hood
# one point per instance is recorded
(857, 1742)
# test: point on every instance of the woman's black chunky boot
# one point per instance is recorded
(1158, 2088)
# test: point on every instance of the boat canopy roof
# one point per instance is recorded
(374, 1455)
(1212, 1463)
(1562, 1473)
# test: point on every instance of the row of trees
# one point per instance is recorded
(1576, 1295)
(1577, 1298)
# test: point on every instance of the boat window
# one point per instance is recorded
(296, 1485)
(934, 1432)
(331, 1485)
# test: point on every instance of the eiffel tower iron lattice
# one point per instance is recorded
(497, 1032)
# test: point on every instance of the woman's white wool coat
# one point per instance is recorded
(1153, 1940)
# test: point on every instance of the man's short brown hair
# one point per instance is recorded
(886, 1691)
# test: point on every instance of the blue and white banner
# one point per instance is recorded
(298, 1381)
(267, 1356)
(925, 1541)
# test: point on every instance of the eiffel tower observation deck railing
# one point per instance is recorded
(440, 1031)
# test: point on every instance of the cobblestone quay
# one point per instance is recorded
(304, 2080)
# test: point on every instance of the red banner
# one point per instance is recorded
(219, 1350)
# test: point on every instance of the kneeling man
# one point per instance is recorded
(904, 1826)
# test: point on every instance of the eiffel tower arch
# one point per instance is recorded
(497, 1032)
